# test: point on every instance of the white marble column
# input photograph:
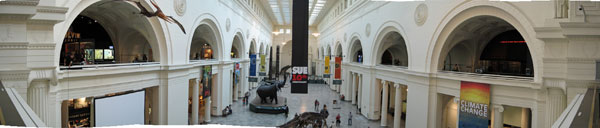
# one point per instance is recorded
(398, 105)
(236, 88)
(195, 101)
(555, 104)
(354, 77)
(359, 84)
(37, 98)
(498, 116)
(207, 109)
(384, 103)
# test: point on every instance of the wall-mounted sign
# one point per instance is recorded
(236, 74)
(327, 69)
(206, 81)
(263, 68)
(252, 65)
(338, 68)
(300, 47)
(474, 105)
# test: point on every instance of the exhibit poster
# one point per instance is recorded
(474, 105)
(252, 64)
(327, 70)
(98, 54)
(206, 80)
(108, 54)
(338, 68)
(236, 73)
(263, 68)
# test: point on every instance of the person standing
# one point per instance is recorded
(337, 120)
(350, 119)
(316, 105)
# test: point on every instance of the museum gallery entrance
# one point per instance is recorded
(101, 39)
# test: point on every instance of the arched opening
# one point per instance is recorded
(392, 50)
(252, 49)
(357, 52)
(286, 54)
(489, 45)
(338, 50)
(203, 42)
(328, 53)
(236, 46)
(262, 49)
(99, 35)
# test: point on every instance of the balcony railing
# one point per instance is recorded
(481, 75)
(99, 66)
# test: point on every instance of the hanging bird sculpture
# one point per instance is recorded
(158, 13)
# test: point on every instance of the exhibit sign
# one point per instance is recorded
(252, 65)
(327, 72)
(206, 80)
(299, 47)
(474, 105)
(236, 74)
(263, 68)
(338, 68)
(338, 71)
(252, 76)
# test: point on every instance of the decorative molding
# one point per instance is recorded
(50, 9)
(180, 7)
(13, 45)
(25, 45)
(20, 3)
(421, 14)
(46, 46)
(14, 75)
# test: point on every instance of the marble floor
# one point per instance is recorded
(299, 103)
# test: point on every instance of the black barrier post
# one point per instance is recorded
(300, 46)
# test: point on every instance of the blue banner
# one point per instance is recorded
(252, 64)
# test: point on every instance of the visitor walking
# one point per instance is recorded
(350, 119)
(337, 120)
(316, 105)
(247, 98)
(324, 111)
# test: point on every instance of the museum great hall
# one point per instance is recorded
(373, 63)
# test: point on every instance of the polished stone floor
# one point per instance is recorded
(298, 103)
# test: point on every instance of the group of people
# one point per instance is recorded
(326, 112)
(136, 59)
(71, 59)
(227, 111)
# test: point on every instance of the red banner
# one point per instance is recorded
(338, 68)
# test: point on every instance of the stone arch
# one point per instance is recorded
(149, 28)
(470, 10)
(339, 50)
(237, 45)
(252, 48)
(391, 35)
(262, 48)
(207, 22)
(355, 49)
